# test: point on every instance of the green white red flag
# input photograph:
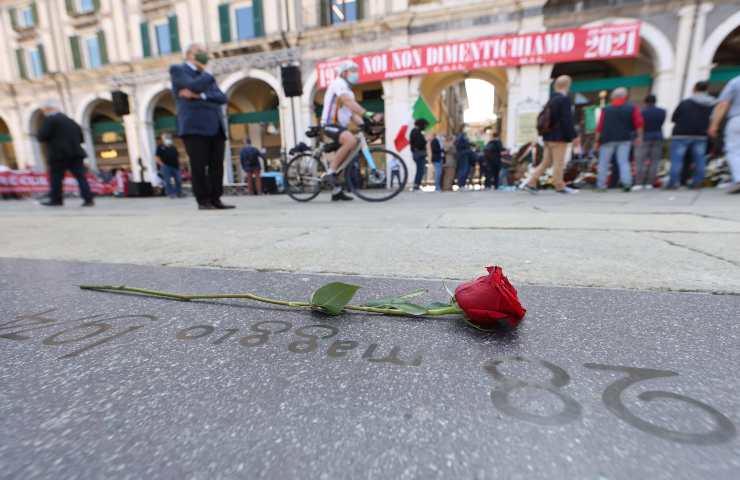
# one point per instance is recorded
(421, 110)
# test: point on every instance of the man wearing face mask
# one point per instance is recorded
(202, 125)
(340, 107)
(168, 160)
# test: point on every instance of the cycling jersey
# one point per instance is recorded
(333, 113)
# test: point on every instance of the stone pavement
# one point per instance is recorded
(594, 384)
(682, 240)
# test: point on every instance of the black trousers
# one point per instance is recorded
(493, 169)
(206, 156)
(56, 178)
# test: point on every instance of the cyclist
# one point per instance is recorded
(340, 108)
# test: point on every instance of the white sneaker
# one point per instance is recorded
(636, 188)
(648, 187)
(568, 190)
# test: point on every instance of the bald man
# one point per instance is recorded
(202, 125)
(620, 124)
(63, 138)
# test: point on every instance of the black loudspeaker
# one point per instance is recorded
(120, 102)
(140, 189)
(292, 84)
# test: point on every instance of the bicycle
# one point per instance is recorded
(368, 174)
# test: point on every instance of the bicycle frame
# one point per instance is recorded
(361, 147)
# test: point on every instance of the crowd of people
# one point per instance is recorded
(627, 136)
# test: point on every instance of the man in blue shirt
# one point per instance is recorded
(729, 106)
(650, 153)
(202, 125)
(250, 157)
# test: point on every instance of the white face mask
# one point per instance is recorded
(168, 141)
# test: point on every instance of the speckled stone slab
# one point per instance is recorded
(594, 384)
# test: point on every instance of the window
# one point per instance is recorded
(94, 54)
(245, 22)
(164, 39)
(343, 11)
(35, 63)
(85, 6)
(25, 17)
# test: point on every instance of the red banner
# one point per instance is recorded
(33, 182)
(592, 43)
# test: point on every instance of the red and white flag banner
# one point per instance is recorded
(34, 182)
(620, 40)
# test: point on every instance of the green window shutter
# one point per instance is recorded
(35, 14)
(259, 24)
(224, 22)
(20, 55)
(174, 33)
(96, 5)
(360, 9)
(71, 10)
(146, 45)
(74, 43)
(42, 56)
(103, 48)
(13, 18)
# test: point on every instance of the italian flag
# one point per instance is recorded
(420, 110)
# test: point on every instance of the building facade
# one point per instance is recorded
(79, 51)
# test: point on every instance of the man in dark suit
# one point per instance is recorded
(63, 138)
(202, 125)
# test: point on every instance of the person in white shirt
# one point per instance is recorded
(340, 108)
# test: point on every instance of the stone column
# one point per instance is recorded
(694, 72)
(399, 98)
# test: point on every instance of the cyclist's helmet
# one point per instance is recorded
(347, 65)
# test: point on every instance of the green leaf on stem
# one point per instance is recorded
(433, 305)
(333, 297)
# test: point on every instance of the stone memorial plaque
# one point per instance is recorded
(594, 384)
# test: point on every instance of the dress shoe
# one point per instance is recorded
(222, 206)
(206, 206)
(89, 203)
(50, 203)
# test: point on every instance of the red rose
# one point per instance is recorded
(490, 299)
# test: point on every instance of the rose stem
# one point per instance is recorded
(452, 309)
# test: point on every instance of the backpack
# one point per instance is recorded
(544, 120)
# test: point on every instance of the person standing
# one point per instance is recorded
(168, 160)
(729, 106)
(252, 160)
(620, 124)
(202, 125)
(649, 155)
(690, 132)
(463, 154)
(492, 155)
(438, 159)
(64, 139)
(419, 150)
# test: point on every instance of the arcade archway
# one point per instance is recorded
(594, 80)
(726, 61)
(7, 152)
(253, 113)
(473, 102)
(108, 136)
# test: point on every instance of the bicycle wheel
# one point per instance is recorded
(379, 184)
(303, 177)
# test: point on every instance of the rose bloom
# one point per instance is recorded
(490, 299)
